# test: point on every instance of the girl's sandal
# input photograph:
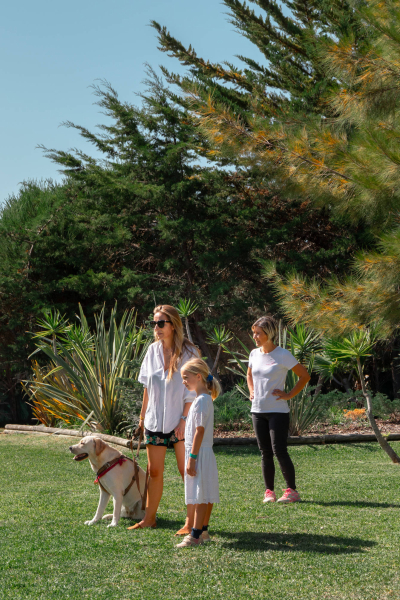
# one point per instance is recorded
(140, 526)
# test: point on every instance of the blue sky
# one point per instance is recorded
(51, 52)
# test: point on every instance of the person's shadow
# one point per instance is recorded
(352, 503)
(294, 542)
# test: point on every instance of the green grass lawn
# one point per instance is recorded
(342, 541)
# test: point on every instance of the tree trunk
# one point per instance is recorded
(381, 440)
(203, 345)
(10, 393)
(395, 379)
(188, 330)
(216, 360)
(319, 385)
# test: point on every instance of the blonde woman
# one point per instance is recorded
(166, 403)
(266, 376)
(201, 477)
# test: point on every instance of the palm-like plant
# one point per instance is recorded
(329, 368)
(89, 368)
(219, 337)
(355, 348)
(185, 309)
(52, 325)
(47, 409)
(305, 343)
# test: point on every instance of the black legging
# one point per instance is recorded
(271, 431)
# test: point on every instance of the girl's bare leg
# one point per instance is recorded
(180, 459)
(199, 516)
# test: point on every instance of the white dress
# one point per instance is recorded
(203, 487)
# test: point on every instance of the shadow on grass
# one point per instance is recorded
(296, 542)
(163, 523)
(354, 504)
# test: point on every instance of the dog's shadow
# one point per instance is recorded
(295, 542)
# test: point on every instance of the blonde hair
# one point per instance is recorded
(180, 343)
(269, 326)
(197, 366)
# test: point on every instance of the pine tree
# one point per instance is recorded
(368, 185)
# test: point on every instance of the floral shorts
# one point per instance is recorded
(158, 438)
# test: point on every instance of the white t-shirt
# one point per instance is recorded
(166, 398)
(269, 372)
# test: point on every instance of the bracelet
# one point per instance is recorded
(183, 418)
(193, 456)
(141, 419)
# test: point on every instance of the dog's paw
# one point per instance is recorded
(112, 524)
(91, 522)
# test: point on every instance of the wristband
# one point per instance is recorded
(193, 456)
(183, 418)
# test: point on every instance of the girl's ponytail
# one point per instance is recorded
(213, 386)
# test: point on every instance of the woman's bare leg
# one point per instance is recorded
(156, 460)
(208, 514)
(180, 459)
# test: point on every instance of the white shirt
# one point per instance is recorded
(269, 372)
(166, 398)
(201, 414)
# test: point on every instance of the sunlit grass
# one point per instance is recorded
(341, 542)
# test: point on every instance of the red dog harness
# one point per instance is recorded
(113, 463)
(108, 466)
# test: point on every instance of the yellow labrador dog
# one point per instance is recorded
(116, 478)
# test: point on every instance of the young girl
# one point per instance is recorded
(201, 476)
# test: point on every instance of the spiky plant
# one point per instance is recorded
(219, 337)
(186, 308)
(356, 348)
(86, 373)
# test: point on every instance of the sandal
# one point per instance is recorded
(140, 526)
(184, 531)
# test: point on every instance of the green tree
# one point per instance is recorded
(254, 119)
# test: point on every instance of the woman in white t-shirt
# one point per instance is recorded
(166, 403)
(266, 376)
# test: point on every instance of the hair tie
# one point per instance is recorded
(209, 378)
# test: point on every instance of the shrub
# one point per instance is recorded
(230, 409)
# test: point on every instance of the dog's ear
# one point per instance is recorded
(99, 446)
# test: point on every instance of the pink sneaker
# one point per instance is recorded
(269, 496)
(289, 495)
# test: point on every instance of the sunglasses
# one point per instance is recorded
(159, 323)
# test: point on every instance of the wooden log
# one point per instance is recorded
(71, 433)
(235, 441)
(225, 441)
(344, 438)
(309, 439)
